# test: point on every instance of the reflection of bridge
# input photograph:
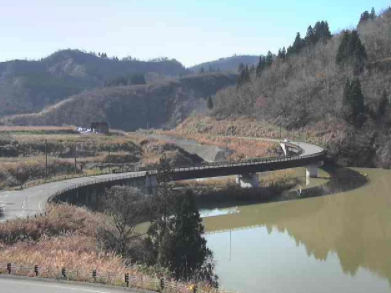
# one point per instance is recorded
(32, 200)
(249, 216)
(355, 226)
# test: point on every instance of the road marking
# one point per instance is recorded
(54, 286)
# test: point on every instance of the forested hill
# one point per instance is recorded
(335, 87)
(226, 64)
(132, 107)
(29, 86)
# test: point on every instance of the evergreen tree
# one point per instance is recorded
(261, 65)
(364, 17)
(342, 52)
(161, 209)
(137, 79)
(269, 59)
(351, 51)
(322, 31)
(372, 16)
(241, 67)
(310, 38)
(383, 106)
(281, 54)
(209, 103)
(357, 55)
(353, 108)
(297, 46)
(244, 76)
(187, 250)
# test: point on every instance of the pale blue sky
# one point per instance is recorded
(190, 31)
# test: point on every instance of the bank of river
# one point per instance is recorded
(335, 243)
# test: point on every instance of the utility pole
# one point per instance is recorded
(46, 159)
(280, 131)
(75, 160)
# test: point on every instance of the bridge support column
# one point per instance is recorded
(284, 148)
(312, 170)
(247, 180)
(150, 184)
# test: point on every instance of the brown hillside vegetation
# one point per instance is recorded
(30, 86)
(67, 237)
(230, 133)
(306, 89)
(132, 107)
(22, 154)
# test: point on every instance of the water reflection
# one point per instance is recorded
(346, 234)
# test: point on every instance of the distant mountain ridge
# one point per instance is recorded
(226, 64)
(30, 86)
(132, 107)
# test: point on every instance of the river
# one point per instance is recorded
(335, 243)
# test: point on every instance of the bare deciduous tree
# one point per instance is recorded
(126, 207)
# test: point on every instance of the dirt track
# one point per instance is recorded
(206, 152)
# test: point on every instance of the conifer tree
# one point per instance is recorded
(372, 16)
(260, 66)
(310, 38)
(322, 31)
(342, 52)
(353, 108)
(364, 17)
(351, 51)
(298, 44)
(269, 59)
(188, 251)
(383, 106)
(241, 67)
(281, 54)
(209, 103)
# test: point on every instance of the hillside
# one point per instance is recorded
(30, 86)
(336, 88)
(132, 107)
(226, 64)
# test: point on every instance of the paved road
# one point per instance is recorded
(32, 200)
(13, 285)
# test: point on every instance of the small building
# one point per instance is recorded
(100, 127)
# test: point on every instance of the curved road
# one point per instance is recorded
(33, 200)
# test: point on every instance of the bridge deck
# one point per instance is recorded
(32, 200)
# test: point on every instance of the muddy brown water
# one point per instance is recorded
(335, 243)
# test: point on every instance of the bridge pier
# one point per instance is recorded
(312, 170)
(284, 148)
(150, 184)
(247, 180)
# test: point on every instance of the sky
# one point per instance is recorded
(191, 31)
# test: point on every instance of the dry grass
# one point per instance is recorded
(37, 129)
(66, 237)
(22, 154)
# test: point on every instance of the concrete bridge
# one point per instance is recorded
(32, 201)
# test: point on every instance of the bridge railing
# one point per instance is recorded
(214, 165)
(120, 279)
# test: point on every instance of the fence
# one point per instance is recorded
(122, 279)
